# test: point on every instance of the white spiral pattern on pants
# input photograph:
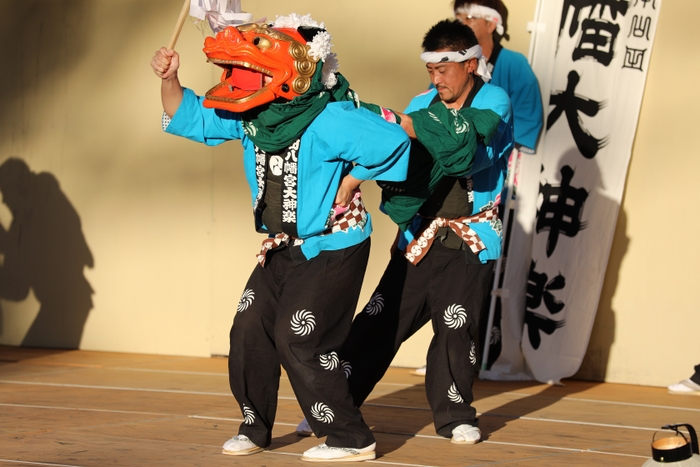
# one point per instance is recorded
(248, 415)
(454, 395)
(329, 361)
(347, 368)
(375, 305)
(472, 354)
(246, 300)
(303, 322)
(322, 412)
(455, 316)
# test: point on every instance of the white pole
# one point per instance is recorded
(534, 28)
(496, 291)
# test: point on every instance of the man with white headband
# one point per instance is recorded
(444, 256)
(509, 69)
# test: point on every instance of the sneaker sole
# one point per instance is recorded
(685, 393)
(365, 456)
(453, 441)
(245, 452)
(305, 434)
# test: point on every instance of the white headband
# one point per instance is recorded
(480, 11)
(459, 57)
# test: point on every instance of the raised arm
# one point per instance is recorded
(165, 64)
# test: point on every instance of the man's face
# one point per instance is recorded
(452, 80)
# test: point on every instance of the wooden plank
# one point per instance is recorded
(86, 409)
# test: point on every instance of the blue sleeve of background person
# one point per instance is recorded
(501, 143)
(378, 149)
(209, 126)
(514, 75)
(421, 101)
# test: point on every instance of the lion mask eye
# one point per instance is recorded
(262, 43)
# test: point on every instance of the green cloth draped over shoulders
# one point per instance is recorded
(275, 126)
(446, 144)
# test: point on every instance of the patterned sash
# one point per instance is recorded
(419, 247)
(354, 216)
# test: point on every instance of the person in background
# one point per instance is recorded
(510, 70)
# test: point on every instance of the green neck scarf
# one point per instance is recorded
(274, 127)
(447, 144)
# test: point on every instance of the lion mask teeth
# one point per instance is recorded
(260, 64)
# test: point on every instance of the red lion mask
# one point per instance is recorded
(260, 65)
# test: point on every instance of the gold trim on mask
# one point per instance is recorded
(303, 63)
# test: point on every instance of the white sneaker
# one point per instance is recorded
(685, 387)
(323, 453)
(240, 445)
(419, 371)
(466, 434)
(304, 429)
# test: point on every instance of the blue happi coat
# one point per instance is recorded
(488, 171)
(341, 140)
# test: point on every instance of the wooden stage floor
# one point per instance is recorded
(82, 408)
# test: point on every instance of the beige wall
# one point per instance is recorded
(646, 330)
(167, 222)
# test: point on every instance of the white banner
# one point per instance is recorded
(591, 58)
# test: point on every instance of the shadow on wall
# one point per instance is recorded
(595, 364)
(40, 38)
(44, 250)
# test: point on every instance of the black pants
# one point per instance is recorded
(298, 314)
(448, 287)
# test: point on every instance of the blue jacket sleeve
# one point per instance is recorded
(203, 125)
(378, 149)
(514, 75)
(501, 144)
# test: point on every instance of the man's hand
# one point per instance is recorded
(165, 63)
(407, 125)
(346, 190)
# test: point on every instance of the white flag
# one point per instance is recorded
(219, 13)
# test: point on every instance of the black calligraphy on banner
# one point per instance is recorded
(597, 41)
(615, 6)
(561, 209)
(539, 289)
(639, 34)
(570, 104)
(644, 3)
